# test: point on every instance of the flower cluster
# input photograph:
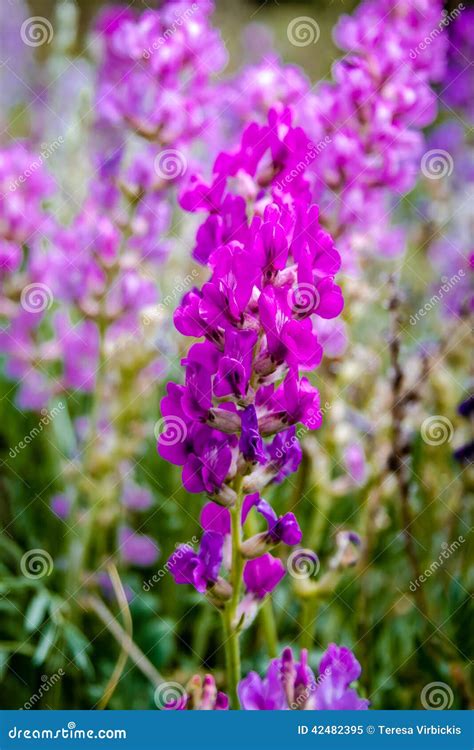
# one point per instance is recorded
(80, 294)
(231, 426)
(155, 71)
(272, 273)
(373, 114)
(261, 572)
(292, 685)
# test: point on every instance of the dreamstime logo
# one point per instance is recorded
(303, 298)
(170, 164)
(302, 31)
(301, 699)
(437, 696)
(303, 563)
(437, 31)
(181, 550)
(36, 563)
(314, 149)
(46, 418)
(37, 297)
(437, 430)
(46, 151)
(169, 695)
(447, 551)
(46, 684)
(36, 31)
(176, 293)
(170, 430)
(170, 31)
(446, 287)
(437, 164)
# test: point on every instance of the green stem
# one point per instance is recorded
(230, 612)
(265, 614)
(267, 618)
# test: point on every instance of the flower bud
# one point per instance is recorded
(256, 545)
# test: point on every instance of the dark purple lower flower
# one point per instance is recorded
(199, 569)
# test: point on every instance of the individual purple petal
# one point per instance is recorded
(263, 574)
(215, 517)
(257, 694)
(251, 443)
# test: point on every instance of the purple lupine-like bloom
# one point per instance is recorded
(367, 122)
(290, 685)
(137, 549)
(199, 569)
(280, 529)
(243, 383)
(154, 82)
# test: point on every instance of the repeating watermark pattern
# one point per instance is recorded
(446, 287)
(170, 430)
(36, 563)
(36, 297)
(181, 286)
(36, 31)
(303, 563)
(437, 430)
(303, 31)
(313, 151)
(180, 551)
(437, 696)
(46, 151)
(45, 420)
(437, 31)
(448, 550)
(46, 684)
(303, 298)
(169, 695)
(437, 163)
(170, 164)
(170, 31)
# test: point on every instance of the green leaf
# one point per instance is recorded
(46, 641)
(36, 611)
(78, 646)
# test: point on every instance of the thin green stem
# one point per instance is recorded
(266, 614)
(267, 618)
(232, 631)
